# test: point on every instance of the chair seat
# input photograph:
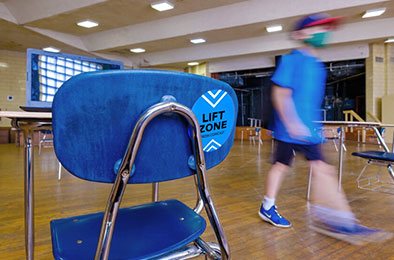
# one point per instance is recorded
(376, 155)
(141, 232)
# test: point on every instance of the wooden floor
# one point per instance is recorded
(237, 187)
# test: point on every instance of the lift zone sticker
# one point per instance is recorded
(215, 114)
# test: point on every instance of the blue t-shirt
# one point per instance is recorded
(306, 77)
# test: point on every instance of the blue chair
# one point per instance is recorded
(142, 126)
(375, 182)
(44, 139)
(255, 133)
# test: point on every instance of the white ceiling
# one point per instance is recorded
(233, 29)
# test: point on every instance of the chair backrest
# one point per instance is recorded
(94, 115)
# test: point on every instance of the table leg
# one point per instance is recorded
(28, 127)
(340, 157)
(155, 191)
(381, 140)
(29, 194)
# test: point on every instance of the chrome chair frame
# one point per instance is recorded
(200, 247)
(43, 140)
(335, 135)
(256, 133)
(375, 183)
(41, 143)
(199, 204)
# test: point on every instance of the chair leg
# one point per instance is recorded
(335, 144)
(292, 163)
(210, 253)
(215, 223)
(308, 193)
(59, 175)
(344, 147)
(272, 145)
(40, 142)
(155, 191)
(199, 203)
(361, 174)
(390, 169)
(190, 251)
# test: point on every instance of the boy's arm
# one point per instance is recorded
(283, 103)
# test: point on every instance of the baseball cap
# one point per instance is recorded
(317, 19)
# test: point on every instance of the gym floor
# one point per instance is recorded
(237, 187)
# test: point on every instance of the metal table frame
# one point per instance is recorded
(29, 122)
(342, 125)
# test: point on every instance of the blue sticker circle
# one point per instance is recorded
(215, 114)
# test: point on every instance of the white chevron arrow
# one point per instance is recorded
(214, 95)
(217, 102)
(212, 146)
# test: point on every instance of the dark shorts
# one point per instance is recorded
(284, 152)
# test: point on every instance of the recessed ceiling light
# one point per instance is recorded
(389, 40)
(137, 50)
(163, 5)
(88, 24)
(51, 49)
(374, 12)
(197, 40)
(194, 63)
(274, 28)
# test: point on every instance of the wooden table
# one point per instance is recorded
(29, 122)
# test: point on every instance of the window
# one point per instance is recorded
(56, 70)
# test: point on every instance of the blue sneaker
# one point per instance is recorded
(272, 216)
(356, 234)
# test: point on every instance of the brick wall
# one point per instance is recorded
(387, 108)
(369, 104)
(380, 84)
(379, 76)
(390, 68)
(201, 69)
(376, 79)
(12, 81)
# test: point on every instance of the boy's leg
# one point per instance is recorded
(331, 214)
(282, 158)
(324, 188)
(268, 211)
(274, 179)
